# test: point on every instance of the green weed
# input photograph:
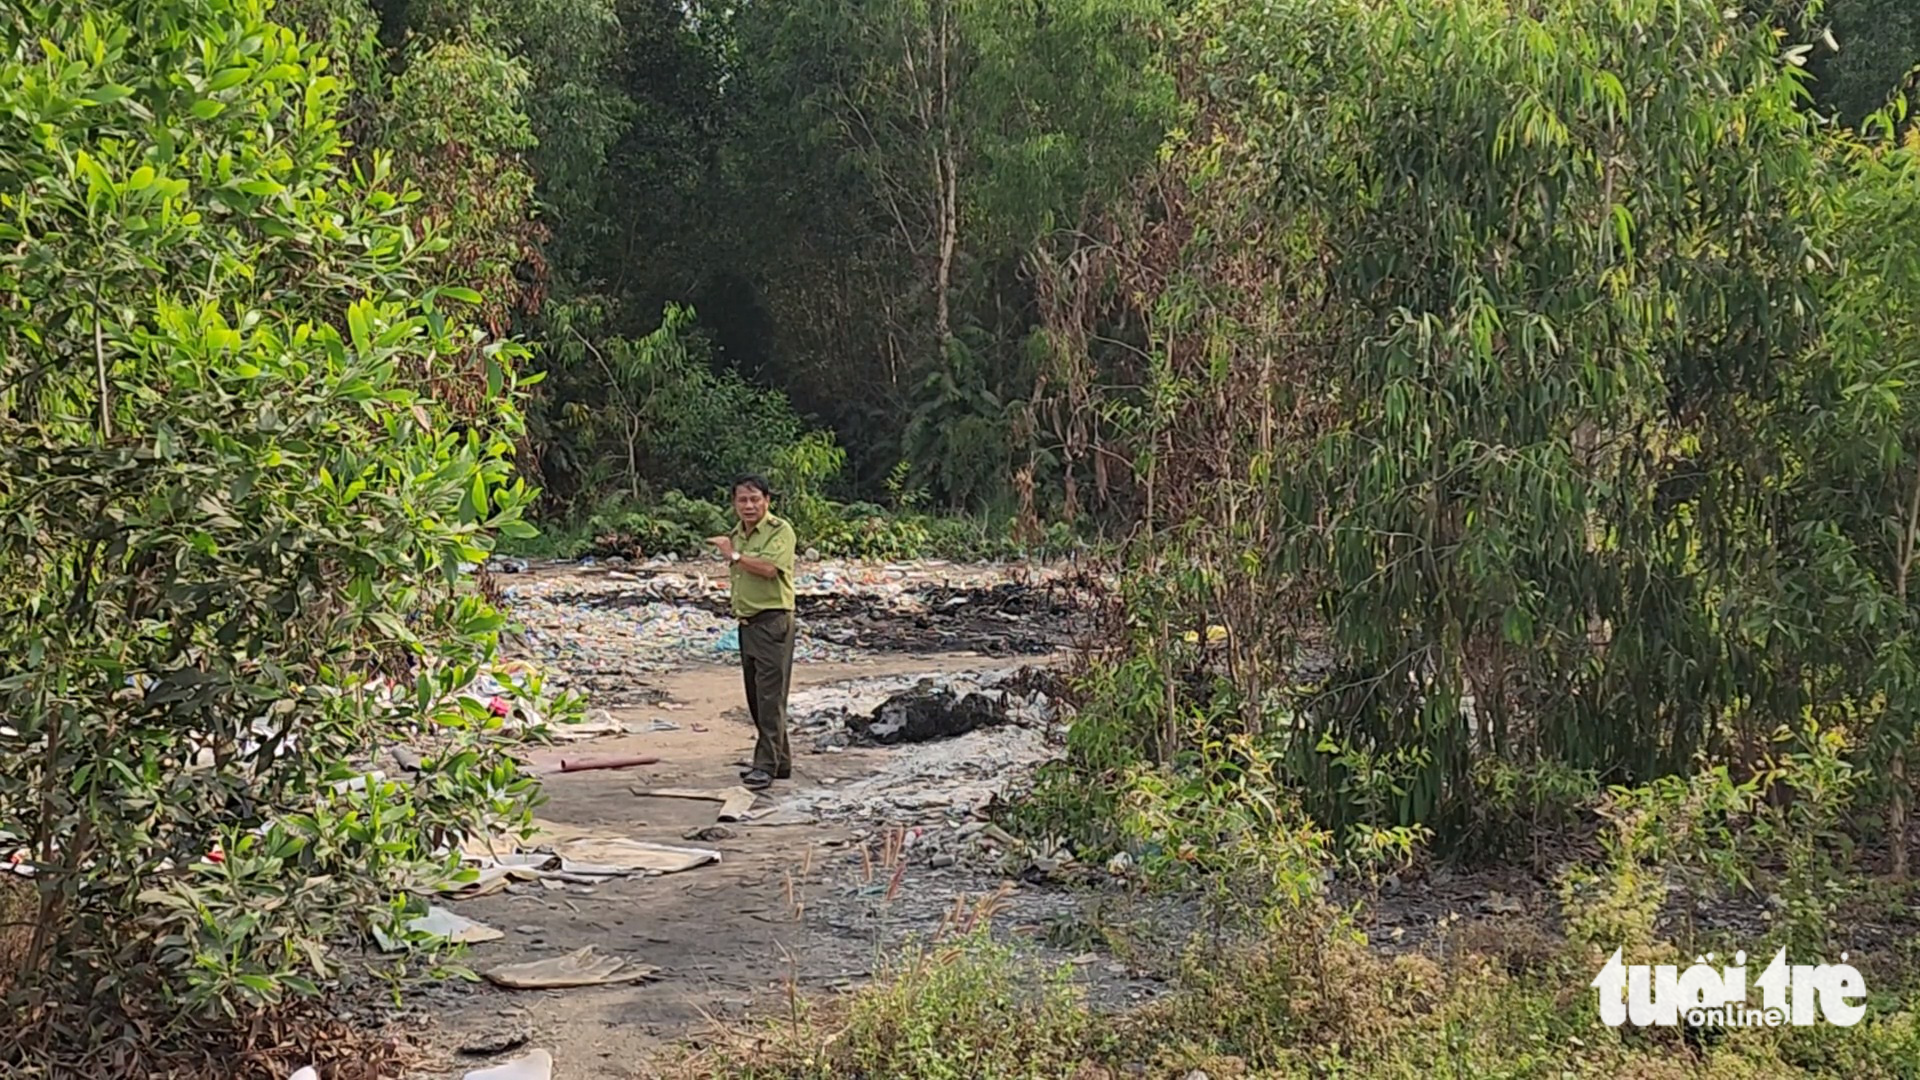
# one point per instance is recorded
(1305, 999)
(965, 1008)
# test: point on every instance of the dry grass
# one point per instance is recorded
(269, 1047)
(264, 1047)
(1307, 1001)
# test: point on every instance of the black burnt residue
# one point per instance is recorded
(927, 712)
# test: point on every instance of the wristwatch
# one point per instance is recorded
(735, 557)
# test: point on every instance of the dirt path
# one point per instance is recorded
(730, 939)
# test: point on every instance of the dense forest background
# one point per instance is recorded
(731, 226)
(903, 225)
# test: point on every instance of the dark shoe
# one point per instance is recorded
(783, 774)
(756, 779)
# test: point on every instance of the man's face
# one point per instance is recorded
(750, 503)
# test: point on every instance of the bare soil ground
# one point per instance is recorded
(789, 908)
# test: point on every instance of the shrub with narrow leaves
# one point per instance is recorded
(231, 529)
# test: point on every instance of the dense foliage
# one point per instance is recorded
(1497, 401)
(908, 217)
(1523, 405)
(1587, 444)
(921, 223)
(225, 505)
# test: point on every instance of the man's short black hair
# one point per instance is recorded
(752, 480)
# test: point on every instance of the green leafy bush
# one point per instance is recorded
(973, 540)
(677, 525)
(1588, 422)
(224, 508)
(654, 412)
(800, 473)
(865, 531)
(1776, 833)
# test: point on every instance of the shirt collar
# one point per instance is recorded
(767, 522)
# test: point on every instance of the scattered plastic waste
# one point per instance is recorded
(564, 853)
(358, 783)
(458, 929)
(736, 802)
(596, 723)
(535, 1066)
(606, 633)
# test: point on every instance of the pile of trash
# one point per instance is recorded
(603, 638)
(555, 855)
(1007, 619)
(960, 776)
(927, 712)
(605, 620)
(976, 843)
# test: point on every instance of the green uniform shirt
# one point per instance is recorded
(771, 540)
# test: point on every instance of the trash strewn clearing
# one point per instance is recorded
(656, 893)
(604, 625)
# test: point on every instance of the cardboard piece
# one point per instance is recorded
(735, 802)
(580, 968)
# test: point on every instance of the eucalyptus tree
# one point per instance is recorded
(910, 158)
(1504, 339)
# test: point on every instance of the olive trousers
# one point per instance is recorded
(766, 660)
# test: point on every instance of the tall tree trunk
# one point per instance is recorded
(943, 272)
(946, 176)
(633, 457)
(1897, 813)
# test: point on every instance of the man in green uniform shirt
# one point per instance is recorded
(759, 554)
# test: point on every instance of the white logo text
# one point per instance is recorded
(1662, 995)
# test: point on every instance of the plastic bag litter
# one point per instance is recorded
(453, 927)
(535, 1066)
